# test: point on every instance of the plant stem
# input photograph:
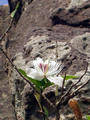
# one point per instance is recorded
(57, 114)
(44, 116)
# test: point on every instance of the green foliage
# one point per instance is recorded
(37, 96)
(42, 108)
(70, 77)
(56, 91)
(45, 111)
(40, 85)
(44, 83)
(22, 72)
(88, 117)
(14, 12)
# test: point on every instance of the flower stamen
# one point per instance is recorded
(45, 68)
(41, 67)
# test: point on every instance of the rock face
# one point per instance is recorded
(76, 3)
(46, 48)
(50, 29)
(6, 108)
(7, 111)
(4, 12)
(82, 43)
(78, 16)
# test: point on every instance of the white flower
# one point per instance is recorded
(47, 69)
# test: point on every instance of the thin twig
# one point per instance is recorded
(17, 69)
(44, 116)
(72, 86)
(73, 94)
(80, 87)
(82, 76)
(12, 19)
(63, 84)
(7, 30)
(56, 50)
(62, 97)
(57, 110)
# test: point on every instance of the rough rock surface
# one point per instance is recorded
(78, 16)
(66, 39)
(76, 3)
(7, 111)
(82, 43)
(4, 12)
(6, 108)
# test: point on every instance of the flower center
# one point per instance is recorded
(44, 68)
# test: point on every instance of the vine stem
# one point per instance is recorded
(7, 30)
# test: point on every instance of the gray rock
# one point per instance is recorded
(82, 43)
(78, 16)
(76, 3)
(43, 47)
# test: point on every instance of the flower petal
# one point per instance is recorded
(37, 63)
(54, 68)
(35, 74)
(46, 62)
(56, 80)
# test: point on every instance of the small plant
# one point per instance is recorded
(87, 117)
(44, 74)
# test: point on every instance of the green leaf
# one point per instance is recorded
(35, 82)
(22, 72)
(14, 12)
(40, 85)
(88, 117)
(56, 91)
(46, 83)
(45, 111)
(70, 77)
(37, 96)
(17, 6)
